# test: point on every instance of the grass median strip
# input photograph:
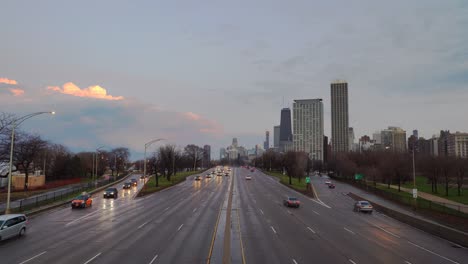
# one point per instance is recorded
(284, 179)
(163, 183)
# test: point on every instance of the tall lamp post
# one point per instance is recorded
(146, 146)
(415, 191)
(16, 123)
(96, 164)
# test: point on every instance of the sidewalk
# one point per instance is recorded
(434, 198)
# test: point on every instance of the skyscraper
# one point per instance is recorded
(350, 139)
(266, 144)
(206, 156)
(222, 153)
(339, 116)
(308, 127)
(286, 136)
(276, 136)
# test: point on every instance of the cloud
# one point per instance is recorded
(192, 116)
(8, 81)
(17, 92)
(95, 91)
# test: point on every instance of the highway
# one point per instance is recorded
(224, 219)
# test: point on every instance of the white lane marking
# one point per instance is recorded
(40, 254)
(295, 262)
(289, 212)
(166, 209)
(433, 253)
(315, 212)
(194, 210)
(386, 231)
(272, 228)
(349, 230)
(142, 225)
(155, 257)
(311, 230)
(78, 219)
(180, 227)
(261, 211)
(320, 202)
(407, 262)
(350, 260)
(91, 259)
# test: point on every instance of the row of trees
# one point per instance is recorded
(377, 167)
(168, 160)
(32, 153)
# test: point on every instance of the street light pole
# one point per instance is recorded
(146, 146)
(415, 191)
(16, 123)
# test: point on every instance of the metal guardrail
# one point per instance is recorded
(40, 200)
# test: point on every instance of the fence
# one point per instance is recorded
(26, 204)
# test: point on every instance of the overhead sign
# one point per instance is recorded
(358, 176)
(307, 179)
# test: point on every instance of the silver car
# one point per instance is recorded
(363, 206)
(12, 225)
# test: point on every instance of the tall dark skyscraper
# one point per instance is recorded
(206, 156)
(339, 116)
(286, 136)
(266, 144)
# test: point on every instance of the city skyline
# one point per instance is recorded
(408, 72)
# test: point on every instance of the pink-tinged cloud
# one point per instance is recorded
(192, 116)
(16, 92)
(8, 81)
(95, 91)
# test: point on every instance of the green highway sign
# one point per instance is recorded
(358, 176)
(307, 179)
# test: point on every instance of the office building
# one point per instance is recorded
(206, 156)
(276, 136)
(222, 153)
(394, 139)
(339, 116)
(325, 149)
(457, 145)
(286, 136)
(443, 143)
(308, 127)
(350, 139)
(266, 144)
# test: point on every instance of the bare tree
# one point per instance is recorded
(26, 149)
(195, 153)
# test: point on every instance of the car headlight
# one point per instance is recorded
(111, 193)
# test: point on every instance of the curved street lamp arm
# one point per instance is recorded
(20, 120)
(153, 141)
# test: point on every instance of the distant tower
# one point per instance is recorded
(415, 133)
(266, 144)
(286, 137)
(234, 142)
(276, 137)
(339, 116)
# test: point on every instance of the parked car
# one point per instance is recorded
(363, 206)
(291, 202)
(82, 201)
(12, 225)
(111, 192)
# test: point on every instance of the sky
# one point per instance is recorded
(121, 73)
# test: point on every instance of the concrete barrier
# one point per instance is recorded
(444, 232)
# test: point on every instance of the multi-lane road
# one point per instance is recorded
(224, 220)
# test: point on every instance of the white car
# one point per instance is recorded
(248, 177)
(327, 182)
(12, 225)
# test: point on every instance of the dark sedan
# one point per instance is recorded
(111, 193)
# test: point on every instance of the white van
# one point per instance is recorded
(12, 225)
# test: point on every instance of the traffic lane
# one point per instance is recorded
(297, 240)
(405, 237)
(100, 233)
(332, 232)
(376, 234)
(259, 242)
(51, 229)
(180, 234)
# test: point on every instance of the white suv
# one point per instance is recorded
(12, 225)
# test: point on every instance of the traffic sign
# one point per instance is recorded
(307, 179)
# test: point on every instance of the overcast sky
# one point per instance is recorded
(121, 73)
